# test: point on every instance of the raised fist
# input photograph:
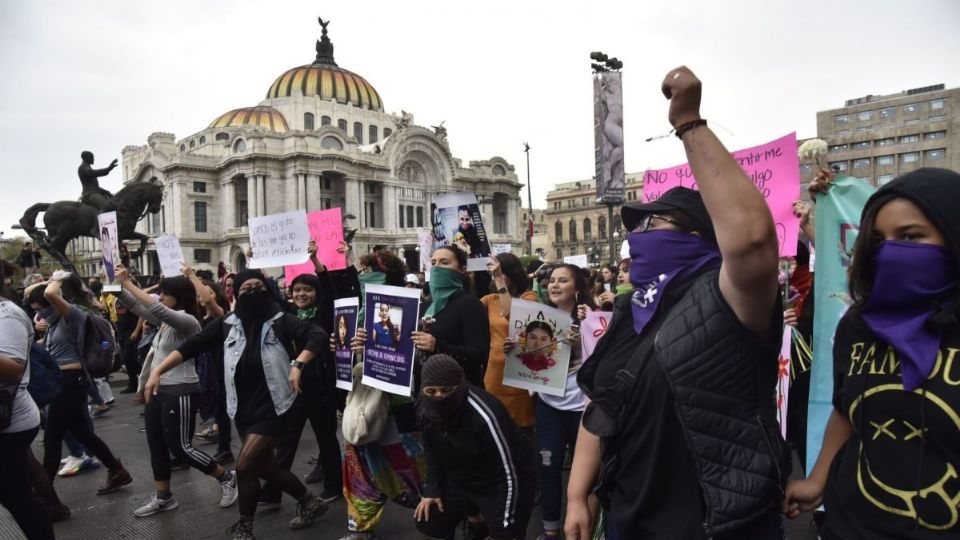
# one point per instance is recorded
(683, 89)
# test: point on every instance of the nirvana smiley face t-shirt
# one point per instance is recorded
(898, 475)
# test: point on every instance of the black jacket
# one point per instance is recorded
(484, 454)
(463, 332)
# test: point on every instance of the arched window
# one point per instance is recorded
(372, 138)
(587, 229)
(325, 120)
(498, 170)
(342, 126)
(558, 231)
(573, 230)
(183, 147)
(358, 132)
(239, 145)
(193, 144)
(203, 140)
(602, 227)
(331, 143)
(617, 226)
(222, 136)
(308, 121)
(387, 132)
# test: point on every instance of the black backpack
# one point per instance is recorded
(97, 345)
(45, 381)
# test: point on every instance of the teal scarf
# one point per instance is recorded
(307, 314)
(375, 278)
(444, 283)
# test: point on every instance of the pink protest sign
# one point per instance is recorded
(326, 229)
(592, 328)
(773, 167)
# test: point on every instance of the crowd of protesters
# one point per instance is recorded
(669, 428)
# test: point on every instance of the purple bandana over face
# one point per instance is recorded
(659, 258)
(912, 280)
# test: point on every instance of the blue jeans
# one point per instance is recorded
(556, 430)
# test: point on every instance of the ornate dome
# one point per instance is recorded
(324, 79)
(328, 82)
(261, 117)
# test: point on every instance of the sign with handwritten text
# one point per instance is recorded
(774, 168)
(326, 229)
(278, 239)
(501, 248)
(169, 254)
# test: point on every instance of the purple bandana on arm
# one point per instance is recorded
(912, 281)
(659, 258)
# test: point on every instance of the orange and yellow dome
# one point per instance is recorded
(328, 82)
(261, 117)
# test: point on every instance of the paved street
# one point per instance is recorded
(110, 517)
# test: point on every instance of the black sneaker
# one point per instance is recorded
(241, 530)
(308, 512)
(328, 496)
(58, 512)
(223, 456)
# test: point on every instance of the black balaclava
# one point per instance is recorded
(256, 305)
(441, 370)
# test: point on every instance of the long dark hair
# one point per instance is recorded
(583, 295)
(180, 288)
(512, 268)
(863, 271)
(336, 330)
(219, 297)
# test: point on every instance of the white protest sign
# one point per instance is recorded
(169, 253)
(279, 239)
(579, 260)
(501, 248)
(109, 246)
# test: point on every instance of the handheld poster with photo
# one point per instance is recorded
(279, 239)
(456, 221)
(169, 254)
(390, 317)
(344, 328)
(110, 247)
(541, 358)
(326, 229)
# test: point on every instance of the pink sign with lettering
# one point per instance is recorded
(773, 167)
(326, 229)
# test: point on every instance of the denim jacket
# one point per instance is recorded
(276, 364)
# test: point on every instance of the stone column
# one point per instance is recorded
(251, 197)
(353, 192)
(177, 211)
(512, 221)
(262, 194)
(390, 208)
(228, 202)
(302, 192)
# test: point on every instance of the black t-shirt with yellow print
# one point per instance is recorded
(898, 475)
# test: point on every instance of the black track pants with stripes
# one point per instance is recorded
(171, 421)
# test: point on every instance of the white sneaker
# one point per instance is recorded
(155, 505)
(71, 465)
(229, 491)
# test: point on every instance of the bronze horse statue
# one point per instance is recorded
(66, 220)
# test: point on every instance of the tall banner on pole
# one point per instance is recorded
(838, 221)
(608, 136)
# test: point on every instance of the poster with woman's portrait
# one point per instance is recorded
(541, 355)
(110, 246)
(390, 317)
(456, 221)
(344, 328)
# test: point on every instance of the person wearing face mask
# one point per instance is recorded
(313, 296)
(476, 456)
(265, 352)
(681, 428)
(451, 320)
(891, 450)
(558, 417)
(170, 417)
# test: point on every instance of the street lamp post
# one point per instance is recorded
(530, 221)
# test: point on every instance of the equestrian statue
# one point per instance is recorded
(65, 220)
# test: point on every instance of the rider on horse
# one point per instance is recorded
(93, 194)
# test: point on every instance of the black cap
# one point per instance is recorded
(687, 201)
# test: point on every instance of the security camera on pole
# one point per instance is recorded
(608, 136)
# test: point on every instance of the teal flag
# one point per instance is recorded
(838, 221)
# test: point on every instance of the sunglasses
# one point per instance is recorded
(647, 220)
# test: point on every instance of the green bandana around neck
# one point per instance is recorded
(307, 314)
(542, 295)
(444, 283)
(375, 278)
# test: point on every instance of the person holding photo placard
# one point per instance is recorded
(690, 447)
(262, 374)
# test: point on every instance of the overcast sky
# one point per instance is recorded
(100, 75)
